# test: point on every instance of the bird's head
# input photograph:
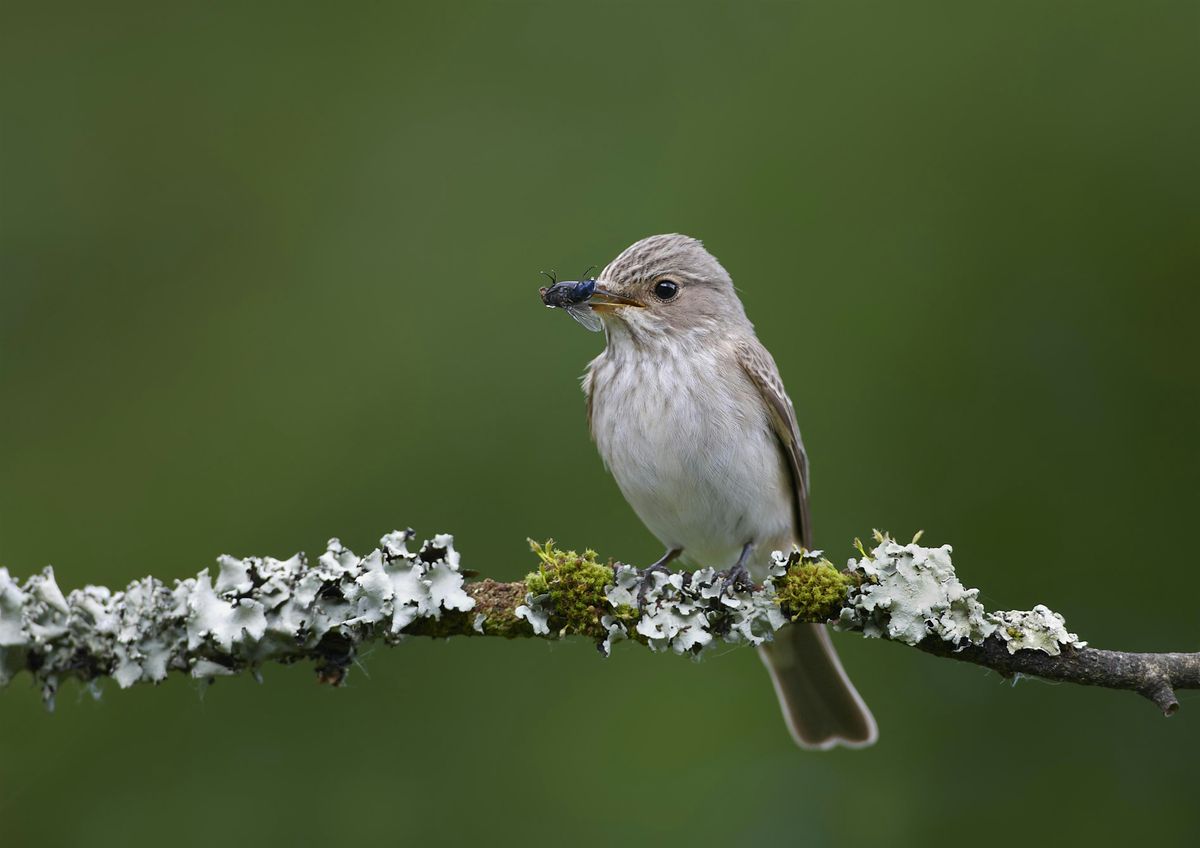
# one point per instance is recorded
(663, 285)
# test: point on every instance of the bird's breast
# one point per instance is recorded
(689, 443)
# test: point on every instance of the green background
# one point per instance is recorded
(268, 275)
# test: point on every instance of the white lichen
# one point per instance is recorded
(1039, 629)
(615, 633)
(256, 610)
(536, 610)
(688, 612)
(910, 592)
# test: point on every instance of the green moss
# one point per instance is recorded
(500, 621)
(575, 583)
(627, 615)
(536, 581)
(812, 591)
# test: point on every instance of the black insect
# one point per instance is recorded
(572, 297)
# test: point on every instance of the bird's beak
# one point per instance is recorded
(603, 300)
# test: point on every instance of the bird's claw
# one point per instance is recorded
(647, 581)
(737, 579)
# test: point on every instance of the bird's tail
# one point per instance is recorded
(820, 704)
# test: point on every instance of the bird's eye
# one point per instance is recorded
(666, 289)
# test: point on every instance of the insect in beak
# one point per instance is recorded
(582, 299)
(572, 297)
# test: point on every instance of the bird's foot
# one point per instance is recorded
(647, 574)
(737, 579)
(646, 583)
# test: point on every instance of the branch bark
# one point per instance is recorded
(257, 611)
(1153, 676)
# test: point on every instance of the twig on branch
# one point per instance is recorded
(266, 610)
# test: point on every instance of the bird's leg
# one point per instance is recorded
(647, 580)
(738, 577)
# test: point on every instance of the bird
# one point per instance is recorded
(689, 413)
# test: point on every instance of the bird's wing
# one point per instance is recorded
(589, 389)
(756, 361)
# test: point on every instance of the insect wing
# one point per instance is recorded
(585, 315)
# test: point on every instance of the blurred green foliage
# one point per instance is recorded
(268, 274)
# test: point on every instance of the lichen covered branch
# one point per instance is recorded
(260, 610)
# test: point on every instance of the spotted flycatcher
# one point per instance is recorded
(691, 417)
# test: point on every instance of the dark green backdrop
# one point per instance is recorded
(268, 275)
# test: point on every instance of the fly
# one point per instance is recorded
(571, 296)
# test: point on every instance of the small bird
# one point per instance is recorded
(691, 418)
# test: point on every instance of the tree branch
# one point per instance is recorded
(265, 610)
(1153, 676)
